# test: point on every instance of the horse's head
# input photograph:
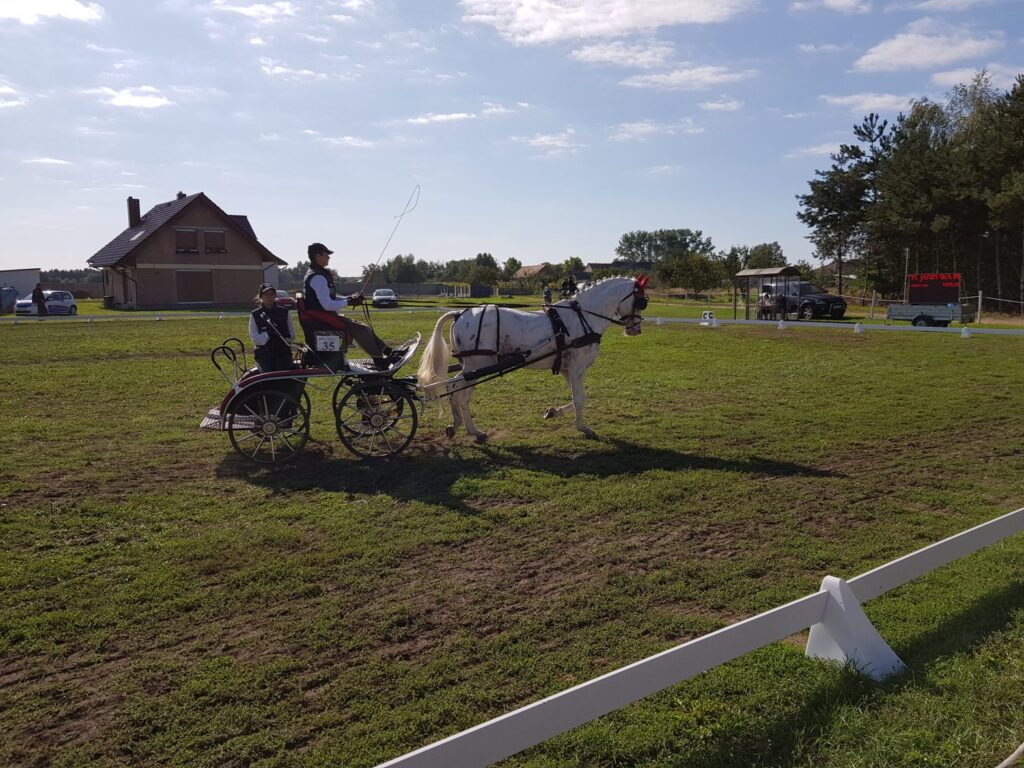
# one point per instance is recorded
(631, 305)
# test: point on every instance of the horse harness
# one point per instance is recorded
(560, 333)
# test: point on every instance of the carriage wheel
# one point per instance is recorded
(269, 427)
(376, 420)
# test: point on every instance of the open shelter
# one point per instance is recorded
(776, 277)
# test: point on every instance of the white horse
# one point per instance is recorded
(481, 334)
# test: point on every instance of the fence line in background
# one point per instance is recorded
(840, 631)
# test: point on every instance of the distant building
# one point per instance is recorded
(23, 280)
(184, 253)
(542, 271)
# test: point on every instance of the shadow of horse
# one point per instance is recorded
(428, 473)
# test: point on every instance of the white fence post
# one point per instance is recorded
(846, 635)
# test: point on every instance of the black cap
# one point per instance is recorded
(316, 248)
(264, 288)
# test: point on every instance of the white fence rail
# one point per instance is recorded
(839, 631)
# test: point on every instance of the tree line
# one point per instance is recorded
(939, 190)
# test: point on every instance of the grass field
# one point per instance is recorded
(164, 604)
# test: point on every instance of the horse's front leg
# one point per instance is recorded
(579, 399)
(460, 406)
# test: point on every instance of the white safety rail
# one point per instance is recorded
(853, 327)
(839, 631)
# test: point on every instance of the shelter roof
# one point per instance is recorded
(770, 272)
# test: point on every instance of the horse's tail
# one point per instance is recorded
(434, 364)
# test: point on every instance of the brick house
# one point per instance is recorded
(184, 253)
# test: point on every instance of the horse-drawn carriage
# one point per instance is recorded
(376, 413)
(267, 415)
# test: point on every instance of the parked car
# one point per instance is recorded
(810, 301)
(384, 297)
(284, 300)
(57, 303)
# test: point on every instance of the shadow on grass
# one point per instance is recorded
(428, 474)
(785, 740)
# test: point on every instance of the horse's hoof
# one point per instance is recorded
(550, 413)
(449, 432)
(480, 438)
(589, 434)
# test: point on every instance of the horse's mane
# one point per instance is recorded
(596, 283)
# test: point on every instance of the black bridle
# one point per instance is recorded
(633, 319)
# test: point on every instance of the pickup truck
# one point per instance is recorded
(927, 315)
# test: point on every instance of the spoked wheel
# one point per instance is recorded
(269, 427)
(376, 420)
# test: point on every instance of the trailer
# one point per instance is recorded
(932, 299)
(930, 315)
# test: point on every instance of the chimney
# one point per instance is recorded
(181, 195)
(134, 217)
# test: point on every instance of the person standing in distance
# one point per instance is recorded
(319, 294)
(38, 299)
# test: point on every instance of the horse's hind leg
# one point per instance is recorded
(456, 418)
(460, 405)
(561, 410)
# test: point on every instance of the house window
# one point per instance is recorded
(186, 241)
(214, 241)
(194, 286)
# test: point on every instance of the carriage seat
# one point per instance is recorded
(323, 319)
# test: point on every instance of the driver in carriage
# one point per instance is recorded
(322, 302)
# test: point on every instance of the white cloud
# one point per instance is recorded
(6, 89)
(861, 103)
(143, 97)
(342, 18)
(925, 44)
(46, 161)
(261, 13)
(818, 150)
(948, 5)
(533, 21)
(552, 143)
(794, 115)
(663, 170)
(822, 48)
(839, 6)
(724, 104)
(644, 55)
(257, 40)
(101, 49)
(688, 79)
(357, 5)
(491, 108)
(275, 69)
(34, 11)
(315, 38)
(1003, 77)
(450, 117)
(348, 141)
(639, 131)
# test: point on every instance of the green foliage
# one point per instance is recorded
(765, 255)
(71, 276)
(654, 246)
(938, 185)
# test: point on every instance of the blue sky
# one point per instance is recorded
(537, 129)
